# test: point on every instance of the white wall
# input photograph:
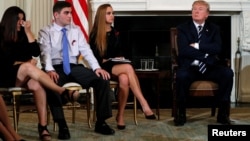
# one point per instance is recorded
(4, 4)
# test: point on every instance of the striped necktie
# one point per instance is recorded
(65, 44)
(202, 66)
(199, 33)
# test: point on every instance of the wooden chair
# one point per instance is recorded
(74, 106)
(197, 88)
(15, 93)
(114, 86)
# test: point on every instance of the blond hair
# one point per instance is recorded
(202, 2)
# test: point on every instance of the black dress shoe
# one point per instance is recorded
(64, 134)
(103, 128)
(224, 120)
(180, 120)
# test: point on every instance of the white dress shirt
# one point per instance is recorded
(50, 40)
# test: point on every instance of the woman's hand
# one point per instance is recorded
(27, 28)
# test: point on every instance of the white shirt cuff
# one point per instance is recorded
(196, 45)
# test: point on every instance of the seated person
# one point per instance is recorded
(199, 44)
(105, 44)
(18, 68)
(52, 59)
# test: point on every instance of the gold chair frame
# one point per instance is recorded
(77, 87)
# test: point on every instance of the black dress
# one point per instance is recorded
(114, 49)
(21, 50)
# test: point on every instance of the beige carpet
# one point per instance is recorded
(147, 130)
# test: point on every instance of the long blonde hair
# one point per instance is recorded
(99, 28)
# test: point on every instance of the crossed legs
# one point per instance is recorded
(128, 80)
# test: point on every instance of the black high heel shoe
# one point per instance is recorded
(120, 127)
(70, 96)
(45, 136)
(150, 116)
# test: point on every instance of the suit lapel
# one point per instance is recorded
(193, 31)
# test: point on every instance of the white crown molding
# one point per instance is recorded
(171, 5)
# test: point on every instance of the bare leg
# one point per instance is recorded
(28, 71)
(6, 126)
(122, 98)
(133, 84)
(41, 105)
(6, 134)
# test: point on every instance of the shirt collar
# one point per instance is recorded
(59, 28)
(196, 24)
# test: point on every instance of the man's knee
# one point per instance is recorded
(182, 76)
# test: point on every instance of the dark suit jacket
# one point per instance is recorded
(210, 43)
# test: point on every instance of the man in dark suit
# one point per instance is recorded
(199, 44)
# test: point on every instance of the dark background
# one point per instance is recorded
(141, 34)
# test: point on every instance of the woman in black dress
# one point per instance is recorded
(18, 68)
(104, 42)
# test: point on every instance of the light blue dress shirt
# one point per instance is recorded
(50, 40)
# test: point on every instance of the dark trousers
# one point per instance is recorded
(221, 75)
(86, 78)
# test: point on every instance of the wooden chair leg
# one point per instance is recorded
(73, 112)
(16, 108)
(135, 111)
(15, 112)
(55, 127)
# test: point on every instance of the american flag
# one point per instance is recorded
(80, 14)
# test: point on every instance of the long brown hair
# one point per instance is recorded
(99, 28)
(9, 23)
